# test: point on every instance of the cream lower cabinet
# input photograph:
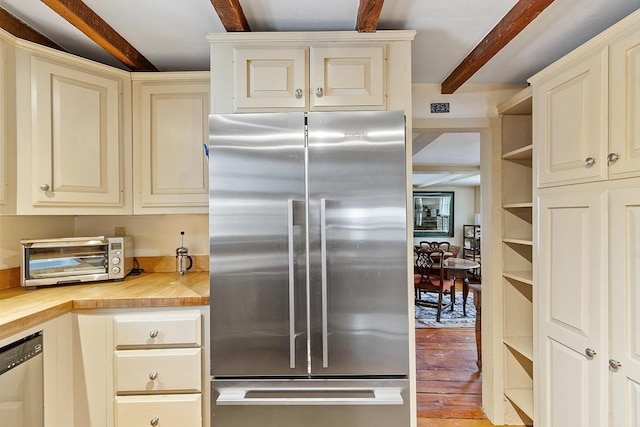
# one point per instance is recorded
(137, 367)
(588, 291)
(158, 374)
(74, 133)
(170, 116)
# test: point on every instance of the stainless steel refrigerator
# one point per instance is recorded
(308, 250)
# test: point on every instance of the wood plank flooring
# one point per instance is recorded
(448, 381)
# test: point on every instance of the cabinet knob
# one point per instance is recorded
(298, 93)
(154, 333)
(589, 161)
(614, 364)
(612, 158)
(319, 92)
(154, 421)
(590, 352)
(153, 375)
(45, 187)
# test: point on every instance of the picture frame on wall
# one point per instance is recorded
(433, 213)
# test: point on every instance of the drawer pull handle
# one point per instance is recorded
(614, 364)
(298, 93)
(153, 375)
(154, 333)
(589, 161)
(154, 421)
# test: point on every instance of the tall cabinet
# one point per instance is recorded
(517, 258)
(586, 108)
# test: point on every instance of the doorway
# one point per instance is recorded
(447, 155)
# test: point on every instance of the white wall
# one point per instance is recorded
(464, 208)
(15, 228)
(469, 101)
(153, 235)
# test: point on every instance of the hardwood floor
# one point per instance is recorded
(449, 386)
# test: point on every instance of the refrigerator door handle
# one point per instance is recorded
(292, 307)
(323, 260)
(316, 397)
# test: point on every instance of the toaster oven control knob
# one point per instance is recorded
(115, 260)
(115, 270)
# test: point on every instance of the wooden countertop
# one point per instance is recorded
(21, 308)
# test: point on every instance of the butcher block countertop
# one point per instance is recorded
(21, 308)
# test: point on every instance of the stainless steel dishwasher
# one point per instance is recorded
(22, 383)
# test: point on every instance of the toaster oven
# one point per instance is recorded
(70, 260)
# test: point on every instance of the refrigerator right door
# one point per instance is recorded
(358, 243)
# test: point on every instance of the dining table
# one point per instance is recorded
(457, 268)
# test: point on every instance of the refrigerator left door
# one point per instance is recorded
(257, 242)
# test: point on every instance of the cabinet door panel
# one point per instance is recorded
(572, 304)
(269, 78)
(78, 151)
(570, 118)
(171, 173)
(625, 294)
(347, 76)
(625, 105)
(572, 385)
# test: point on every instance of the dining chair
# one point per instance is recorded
(445, 246)
(429, 277)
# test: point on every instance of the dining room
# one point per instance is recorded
(447, 274)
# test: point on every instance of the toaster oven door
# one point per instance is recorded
(47, 263)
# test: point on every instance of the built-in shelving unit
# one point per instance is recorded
(471, 247)
(517, 257)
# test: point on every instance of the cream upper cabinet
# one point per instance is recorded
(586, 110)
(311, 77)
(170, 113)
(624, 104)
(7, 129)
(347, 76)
(270, 78)
(259, 72)
(74, 129)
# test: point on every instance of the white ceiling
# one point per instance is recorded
(446, 159)
(171, 34)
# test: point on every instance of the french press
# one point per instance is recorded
(183, 261)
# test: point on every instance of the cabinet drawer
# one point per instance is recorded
(162, 329)
(181, 410)
(148, 371)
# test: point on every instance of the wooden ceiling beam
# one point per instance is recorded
(368, 15)
(94, 27)
(521, 15)
(18, 28)
(231, 15)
